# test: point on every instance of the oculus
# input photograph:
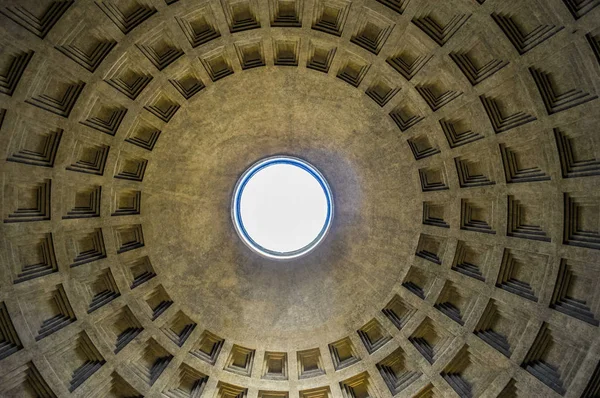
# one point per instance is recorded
(282, 207)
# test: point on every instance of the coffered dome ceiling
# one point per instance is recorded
(459, 138)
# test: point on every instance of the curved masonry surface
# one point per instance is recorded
(459, 138)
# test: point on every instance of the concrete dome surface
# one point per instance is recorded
(461, 144)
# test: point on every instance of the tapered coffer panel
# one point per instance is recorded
(179, 328)
(574, 292)
(130, 167)
(82, 202)
(398, 312)
(18, 62)
(250, 54)
(431, 248)
(128, 77)
(88, 157)
(593, 386)
(477, 215)
(554, 100)
(310, 363)
(561, 90)
(157, 301)
(160, 48)
(466, 62)
(150, 362)
(25, 380)
(31, 256)
(526, 25)
(55, 91)
(594, 42)
(510, 390)
(433, 178)
(330, 16)
(188, 84)
(405, 117)
(421, 147)
(398, 372)
(275, 366)
(508, 106)
(353, 70)
(553, 358)
(287, 14)
(501, 327)
(430, 340)
(522, 273)
(320, 56)
(458, 135)
(580, 8)
(443, 27)
(126, 18)
(241, 15)
(9, 338)
(47, 311)
(240, 360)
(107, 121)
(273, 394)
(527, 218)
(163, 107)
(343, 353)
(217, 64)
(144, 133)
(359, 386)
(524, 163)
(467, 374)
(126, 203)
(372, 31)
(41, 23)
(225, 390)
(408, 66)
(115, 385)
(471, 259)
(97, 287)
(373, 335)
(76, 360)
(86, 47)
(130, 84)
(198, 25)
(434, 213)
(286, 52)
(187, 383)
(418, 281)
(581, 227)
(577, 152)
(28, 202)
(85, 246)
(319, 392)
(437, 96)
(474, 171)
(120, 328)
(139, 271)
(456, 302)
(412, 54)
(381, 91)
(428, 391)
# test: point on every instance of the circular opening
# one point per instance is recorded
(282, 207)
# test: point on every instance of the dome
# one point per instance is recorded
(459, 145)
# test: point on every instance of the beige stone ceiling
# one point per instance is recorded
(460, 139)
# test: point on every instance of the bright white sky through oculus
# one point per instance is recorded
(283, 208)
